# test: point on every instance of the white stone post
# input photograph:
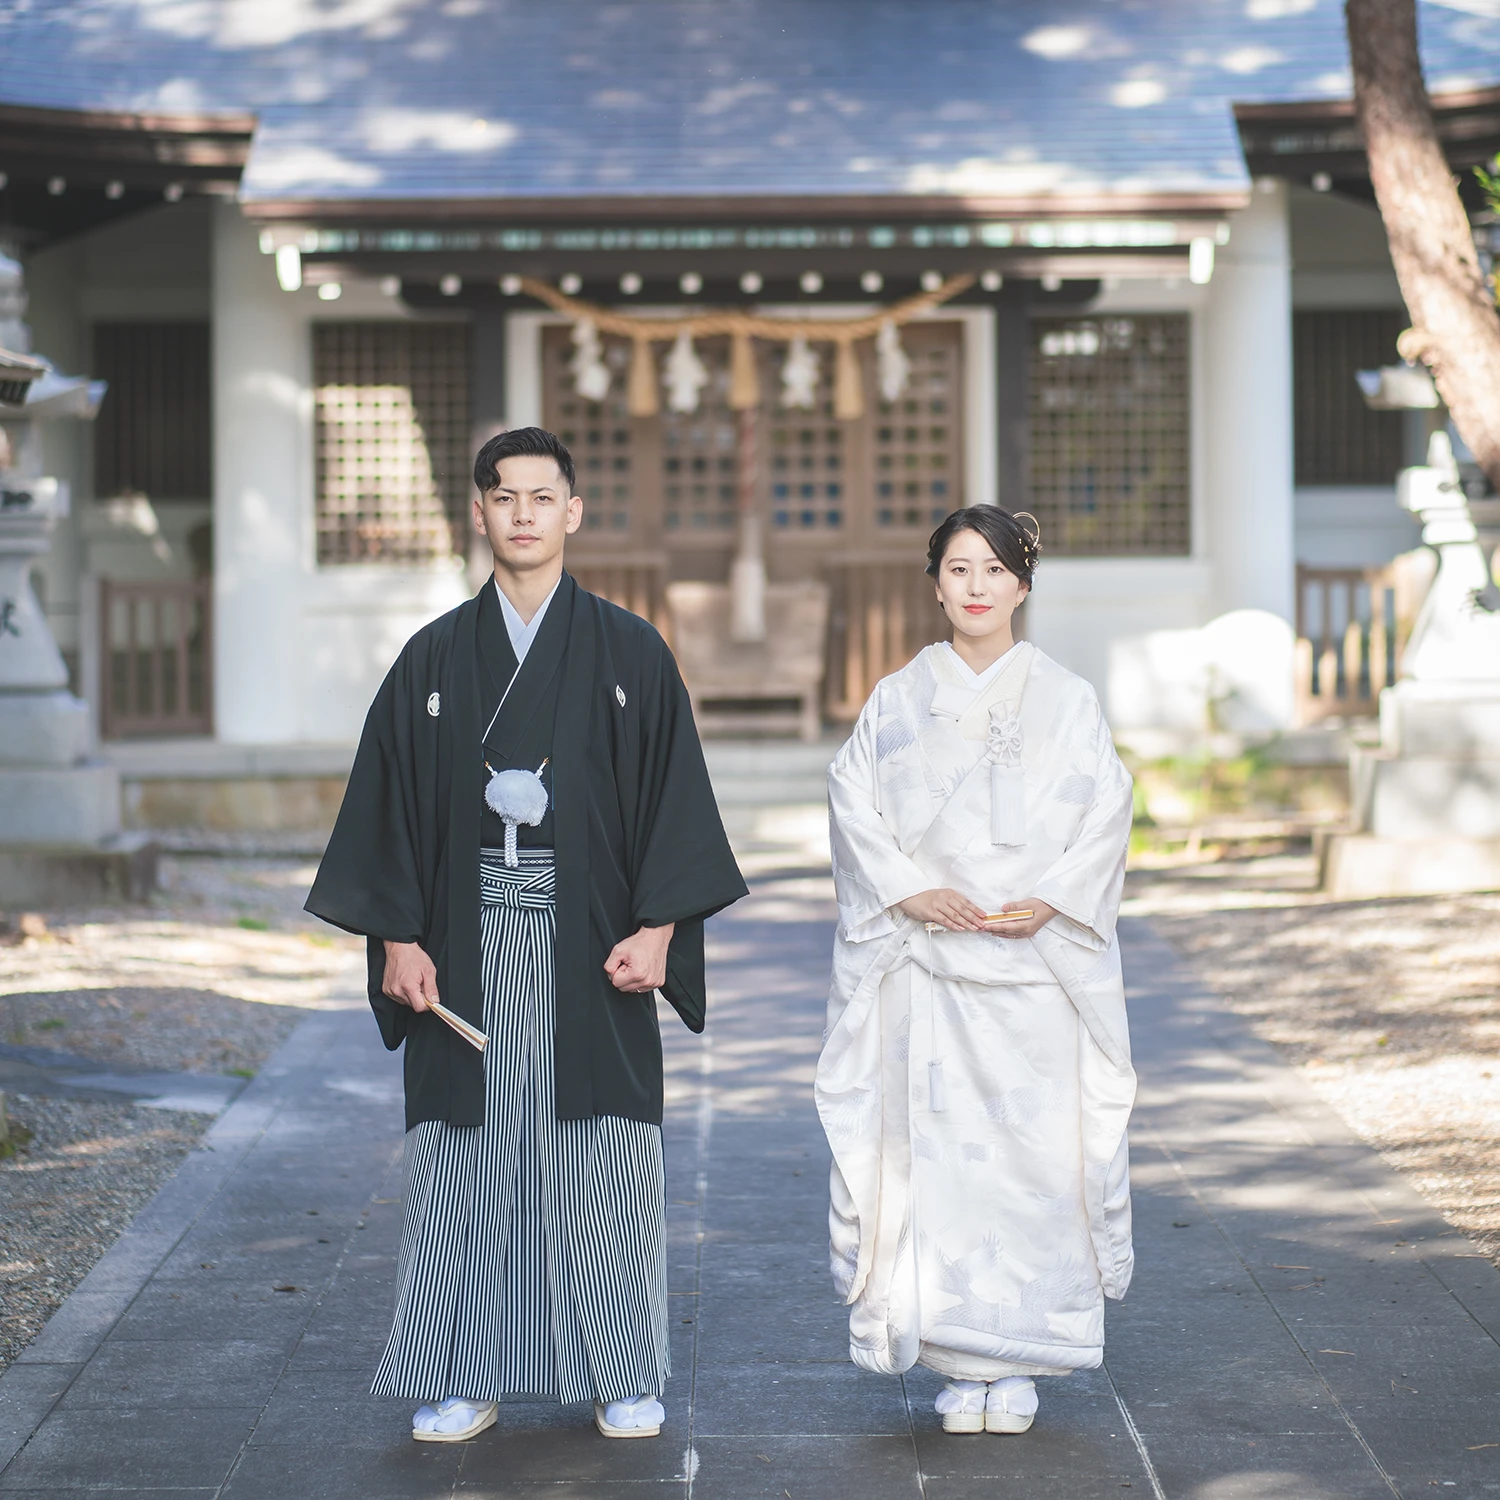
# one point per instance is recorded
(262, 488)
(1247, 350)
(1427, 800)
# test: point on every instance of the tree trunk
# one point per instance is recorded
(1455, 329)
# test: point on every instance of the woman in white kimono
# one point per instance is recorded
(975, 1081)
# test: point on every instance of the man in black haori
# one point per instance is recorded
(531, 845)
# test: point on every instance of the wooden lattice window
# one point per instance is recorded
(1110, 459)
(805, 458)
(1339, 440)
(154, 432)
(918, 458)
(698, 454)
(597, 433)
(393, 467)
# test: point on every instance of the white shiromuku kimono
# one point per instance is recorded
(975, 1088)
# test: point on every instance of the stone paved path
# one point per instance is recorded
(1300, 1327)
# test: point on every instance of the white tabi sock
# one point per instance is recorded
(636, 1411)
(1015, 1394)
(960, 1396)
(451, 1414)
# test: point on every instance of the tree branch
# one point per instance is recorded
(1455, 328)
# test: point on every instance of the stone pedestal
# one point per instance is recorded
(50, 793)
(60, 836)
(1426, 800)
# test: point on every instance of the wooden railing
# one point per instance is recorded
(634, 580)
(1351, 630)
(157, 655)
(882, 612)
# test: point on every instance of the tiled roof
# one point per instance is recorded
(371, 99)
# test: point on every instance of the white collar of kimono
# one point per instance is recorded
(977, 680)
(969, 698)
(521, 634)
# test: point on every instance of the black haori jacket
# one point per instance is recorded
(637, 835)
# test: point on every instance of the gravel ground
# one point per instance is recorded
(88, 1169)
(1390, 1009)
(210, 978)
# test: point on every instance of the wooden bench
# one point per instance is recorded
(736, 687)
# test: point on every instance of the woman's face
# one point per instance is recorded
(977, 591)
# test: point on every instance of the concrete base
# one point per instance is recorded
(43, 729)
(203, 783)
(250, 804)
(1360, 865)
(117, 871)
(58, 804)
(1440, 718)
(1436, 796)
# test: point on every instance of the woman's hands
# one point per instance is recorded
(410, 976)
(638, 965)
(946, 907)
(953, 910)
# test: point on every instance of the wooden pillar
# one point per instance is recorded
(1012, 425)
(487, 374)
(487, 336)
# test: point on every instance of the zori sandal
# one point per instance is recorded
(1011, 1404)
(638, 1417)
(960, 1404)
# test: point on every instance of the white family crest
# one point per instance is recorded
(434, 704)
(620, 694)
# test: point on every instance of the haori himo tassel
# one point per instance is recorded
(515, 797)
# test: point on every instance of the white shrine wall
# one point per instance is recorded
(1160, 638)
(154, 265)
(299, 650)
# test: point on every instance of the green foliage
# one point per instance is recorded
(239, 1072)
(254, 924)
(1175, 795)
(1489, 183)
(56, 1023)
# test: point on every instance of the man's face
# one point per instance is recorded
(528, 513)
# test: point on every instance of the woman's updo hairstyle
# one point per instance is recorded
(1016, 544)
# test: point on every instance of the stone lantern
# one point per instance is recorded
(60, 837)
(1427, 798)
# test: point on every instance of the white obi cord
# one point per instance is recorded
(1007, 779)
(516, 796)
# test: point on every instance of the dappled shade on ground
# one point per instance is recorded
(1390, 1009)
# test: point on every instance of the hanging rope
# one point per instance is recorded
(643, 395)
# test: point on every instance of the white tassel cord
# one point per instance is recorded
(516, 796)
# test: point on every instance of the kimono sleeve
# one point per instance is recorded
(684, 870)
(369, 880)
(1085, 883)
(871, 874)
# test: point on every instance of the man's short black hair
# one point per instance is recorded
(522, 442)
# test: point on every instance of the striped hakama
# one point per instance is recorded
(532, 1258)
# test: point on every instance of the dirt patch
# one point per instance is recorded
(1390, 1009)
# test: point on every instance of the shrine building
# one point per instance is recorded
(321, 252)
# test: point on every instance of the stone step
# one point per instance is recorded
(769, 773)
